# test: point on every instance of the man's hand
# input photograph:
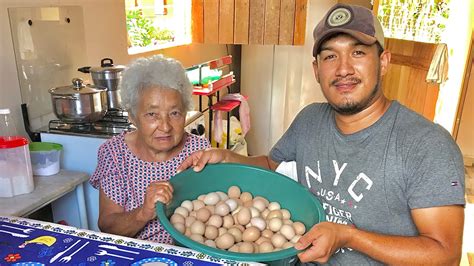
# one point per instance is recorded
(323, 240)
(199, 159)
(161, 191)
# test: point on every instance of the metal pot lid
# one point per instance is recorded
(107, 65)
(77, 87)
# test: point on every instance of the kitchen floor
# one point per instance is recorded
(468, 240)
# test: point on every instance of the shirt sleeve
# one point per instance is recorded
(107, 176)
(435, 164)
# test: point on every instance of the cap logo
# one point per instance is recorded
(339, 16)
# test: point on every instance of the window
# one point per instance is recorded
(416, 20)
(157, 24)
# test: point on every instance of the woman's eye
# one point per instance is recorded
(175, 114)
(150, 114)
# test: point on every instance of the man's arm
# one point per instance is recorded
(439, 241)
(199, 159)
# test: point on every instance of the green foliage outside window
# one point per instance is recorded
(142, 32)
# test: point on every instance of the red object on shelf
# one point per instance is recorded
(215, 86)
(226, 60)
(226, 105)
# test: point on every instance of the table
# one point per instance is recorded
(31, 242)
(48, 189)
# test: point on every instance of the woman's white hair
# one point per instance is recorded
(157, 71)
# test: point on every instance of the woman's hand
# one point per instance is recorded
(161, 191)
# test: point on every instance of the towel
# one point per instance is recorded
(25, 41)
(244, 113)
(438, 71)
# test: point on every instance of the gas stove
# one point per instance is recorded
(113, 123)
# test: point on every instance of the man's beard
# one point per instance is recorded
(351, 107)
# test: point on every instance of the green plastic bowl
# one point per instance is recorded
(188, 185)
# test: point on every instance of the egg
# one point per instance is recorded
(263, 239)
(211, 232)
(244, 215)
(236, 233)
(225, 241)
(246, 196)
(222, 230)
(203, 214)
(287, 245)
(251, 234)
(197, 204)
(254, 212)
(232, 203)
(189, 221)
(210, 243)
(182, 210)
(222, 195)
(222, 209)
(177, 218)
(198, 228)
(287, 231)
(262, 199)
(274, 206)
(215, 220)
(211, 198)
(227, 221)
(275, 224)
(201, 197)
(267, 233)
(211, 208)
(233, 192)
(274, 214)
(197, 238)
(286, 214)
(259, 204)
(180, 227)
(265, 247)
(187, 204)
(295, 239)
(299, 227)
(246, 247)
(264, 214)
(278, 240)
(234, 248)
(259, 223)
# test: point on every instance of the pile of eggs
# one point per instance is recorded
(237, 222)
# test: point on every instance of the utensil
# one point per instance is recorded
(14, 234)
(117, 248)
(24, 230)
(102, 252)
(109, 76)
(62, 252)
(68, 258)
(79, 102)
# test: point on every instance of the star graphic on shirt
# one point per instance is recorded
(343, 201)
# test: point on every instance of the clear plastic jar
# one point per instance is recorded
(16, 175)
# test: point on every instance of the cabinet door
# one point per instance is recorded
(249, 21)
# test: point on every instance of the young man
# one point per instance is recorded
(391, 182)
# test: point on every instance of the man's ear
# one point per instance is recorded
(315, 69)
(385, 62)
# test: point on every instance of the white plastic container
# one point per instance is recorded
(45, 158)
(16, 175)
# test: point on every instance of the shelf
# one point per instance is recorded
(225, 106)
(215, 86)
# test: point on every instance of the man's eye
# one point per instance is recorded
(359, 52)
(329, 57)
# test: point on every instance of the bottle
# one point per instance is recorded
(7, 127)
(16, 174)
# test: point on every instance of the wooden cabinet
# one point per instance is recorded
(249, 21)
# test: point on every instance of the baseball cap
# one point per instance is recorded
(357, 21)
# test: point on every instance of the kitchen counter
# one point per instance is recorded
(47, 190)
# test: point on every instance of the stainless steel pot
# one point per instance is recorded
(107, 75)
(79, 103)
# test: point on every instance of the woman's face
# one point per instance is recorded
(160, 119)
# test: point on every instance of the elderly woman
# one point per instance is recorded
(134, 167)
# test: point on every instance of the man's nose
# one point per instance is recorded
(345, 67)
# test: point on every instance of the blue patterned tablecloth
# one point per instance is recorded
(30, 242)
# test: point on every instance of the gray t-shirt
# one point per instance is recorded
(373, 178)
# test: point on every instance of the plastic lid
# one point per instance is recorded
(45, 146)
(12, 142)
(5, 111)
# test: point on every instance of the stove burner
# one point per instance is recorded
(113, 123)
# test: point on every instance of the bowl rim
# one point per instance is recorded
(225, 254)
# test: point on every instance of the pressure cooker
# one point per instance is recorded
(107, 75)
(79, 103)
